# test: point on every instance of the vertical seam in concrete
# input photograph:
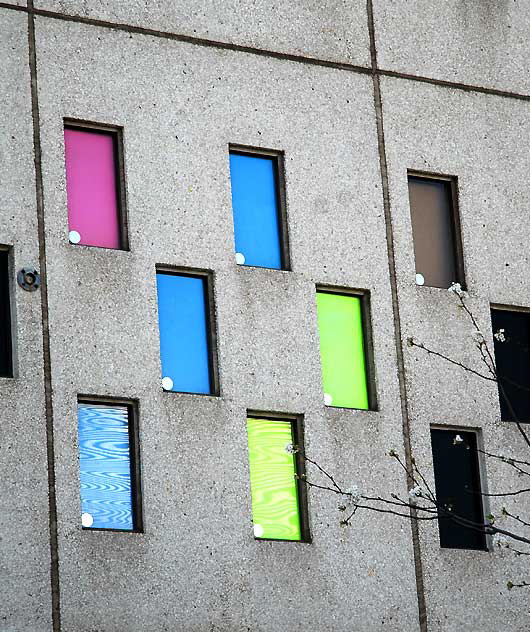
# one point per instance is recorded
(50, 451)
(418, 568)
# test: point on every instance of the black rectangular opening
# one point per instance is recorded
(6, 344)
(511, 339)
(436, 230)
(458, 489)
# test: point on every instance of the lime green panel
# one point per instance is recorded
(273, 485)
(342, 350)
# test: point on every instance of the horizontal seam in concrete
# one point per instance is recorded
(454, 85)
(262, 52)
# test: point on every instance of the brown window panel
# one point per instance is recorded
(436, 231)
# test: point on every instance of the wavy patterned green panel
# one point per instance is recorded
(275, 511)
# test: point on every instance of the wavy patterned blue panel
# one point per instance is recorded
(255, 208)
(184, 336)
(105, 463)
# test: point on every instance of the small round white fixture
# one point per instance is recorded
(420, 279)
(167, 383)
(74, 237)
(87, 520)
(240, 258)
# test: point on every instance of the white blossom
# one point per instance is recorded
(416, 492)
(499, 540)
(499, 335)
(354, 494)
(456, 288)
(478, 336)
(458, 440)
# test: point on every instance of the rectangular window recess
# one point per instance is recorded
(186, 323)
(436, 230)
(258, 204)
(458, 489)
(279, 508)
(342, 328)
(95, 186)
(6, 341)
(109, 466)
(512, 359)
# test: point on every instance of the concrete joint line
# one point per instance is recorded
(50, 451)
(418, 568)
(262, 52)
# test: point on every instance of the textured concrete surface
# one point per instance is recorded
(24, 546)
(335, 30)
(198, 559)
(493, 198)
(478, 42)
(197, 567)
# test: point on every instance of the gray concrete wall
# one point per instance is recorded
(473, 136)
(197, 567)
(333, 30)
(479, 42)
(25, 602)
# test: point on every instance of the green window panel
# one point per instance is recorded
(273, 486)
(342, 351)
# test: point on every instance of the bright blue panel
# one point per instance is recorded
(105, 463)
(184, 351)
(255, 207)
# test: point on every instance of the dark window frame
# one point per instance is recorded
(456, 224)
(133, 418)
(368, 341)
(501, 307)
(480, 473)
(7, 312)
(117, 133)
(278, 156)
(297, 429)
(208, 278)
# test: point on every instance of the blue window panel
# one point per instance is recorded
(255, 208)
(105, 464)
(184, 343)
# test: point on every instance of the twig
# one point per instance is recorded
(505, 512)
(420, 345)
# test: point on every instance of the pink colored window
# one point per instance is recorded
(92, 188)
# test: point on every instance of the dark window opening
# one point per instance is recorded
(6, 347)
(512, 359)
(458, 489)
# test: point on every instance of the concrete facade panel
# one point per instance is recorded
(428, 129)
(179, 105)
(197, 559)
(477, 42)
(335, 31)
(24, 543)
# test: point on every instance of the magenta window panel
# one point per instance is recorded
(92, 188)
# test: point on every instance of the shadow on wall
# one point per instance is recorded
(485, 14)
